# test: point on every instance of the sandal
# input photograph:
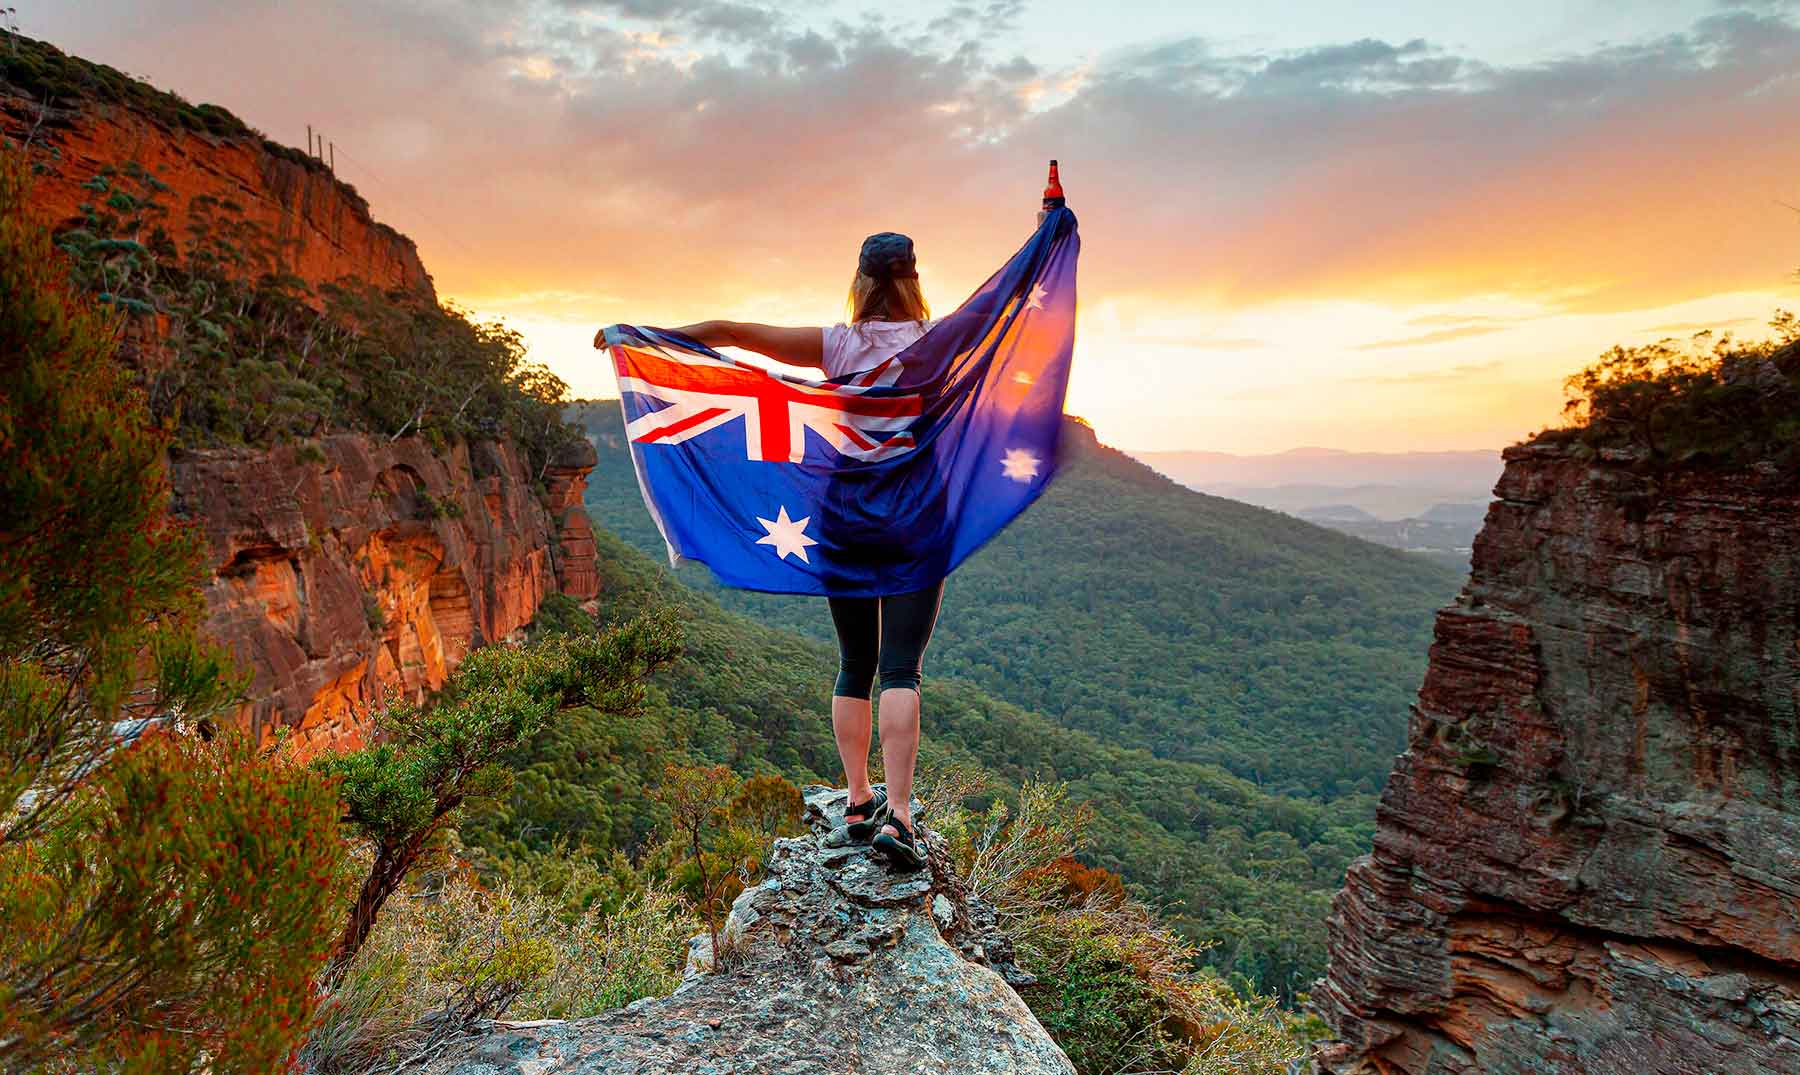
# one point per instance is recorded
(872, 816)
(903, 849)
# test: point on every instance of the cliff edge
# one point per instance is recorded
(833, 964)
(1585, 861)
(346, 565)
(88, 117)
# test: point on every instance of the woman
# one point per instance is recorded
(880, 639)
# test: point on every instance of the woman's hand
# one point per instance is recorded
(600, 340)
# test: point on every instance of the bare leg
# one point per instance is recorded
(899, 749)
(850, 726)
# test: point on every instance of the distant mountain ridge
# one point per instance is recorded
(1429, 503)
(1458, 474)
(1443, 532)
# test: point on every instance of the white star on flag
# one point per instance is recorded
(1038, 295)
(787, 535)
(1020, 465)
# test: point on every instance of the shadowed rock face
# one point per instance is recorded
(832, 966)
(354, 566)
(1585, 862)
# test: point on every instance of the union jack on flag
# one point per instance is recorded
(878, 482)
(702, 393)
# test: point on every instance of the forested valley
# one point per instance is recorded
(1228, 685)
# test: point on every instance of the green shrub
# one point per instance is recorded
(558, 613)
(439, 507)
(373, 614)
(174, 917)
(1118, 992)
(1713, 400)
(1117, 988)
(232, 348)
(166, 904)
(428, 761)
(441, 959)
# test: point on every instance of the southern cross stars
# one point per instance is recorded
(1038, 295)
(787, 535)
(1020, 464)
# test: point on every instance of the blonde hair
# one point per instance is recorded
(893, 299)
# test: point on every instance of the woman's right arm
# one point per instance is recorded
(794, 346)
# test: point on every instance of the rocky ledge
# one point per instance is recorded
(833, 964)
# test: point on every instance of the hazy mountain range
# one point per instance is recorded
(1426, 502)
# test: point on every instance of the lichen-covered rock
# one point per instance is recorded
(833, 965)
(1587, 862)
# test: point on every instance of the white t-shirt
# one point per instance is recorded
(853, 348)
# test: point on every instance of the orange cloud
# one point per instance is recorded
(570, 169)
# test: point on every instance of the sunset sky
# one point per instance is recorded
(1373, 226)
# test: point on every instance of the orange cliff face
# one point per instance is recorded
(348, 569)
(324, 225)
(371, 572)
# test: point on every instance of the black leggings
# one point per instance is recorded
(883, 636)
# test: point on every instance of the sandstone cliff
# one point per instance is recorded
(350, 566)
(100, 119)
(1585, 861)
(833, 964)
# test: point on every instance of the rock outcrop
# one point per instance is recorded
(351, 566)
(323, 226)
(833, 965)
(1588, 859)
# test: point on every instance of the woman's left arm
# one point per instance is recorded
(794, 346)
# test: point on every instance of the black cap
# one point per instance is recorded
(887, 255)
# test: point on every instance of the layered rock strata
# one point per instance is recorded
(1586, 860)
(833, 964)
(350, 568)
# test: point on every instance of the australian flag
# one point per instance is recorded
(878, 482)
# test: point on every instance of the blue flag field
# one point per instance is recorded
(878, 482)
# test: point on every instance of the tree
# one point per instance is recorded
(166, 898)
(430, 760)
(769, 806)
(699, 800)
(1711, 400)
